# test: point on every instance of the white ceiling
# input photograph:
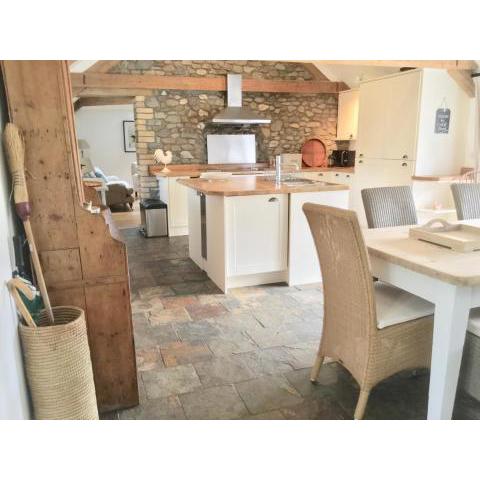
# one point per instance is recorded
(352, 75)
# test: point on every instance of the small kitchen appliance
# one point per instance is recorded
(342, 158)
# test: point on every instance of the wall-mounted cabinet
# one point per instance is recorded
(347, 122)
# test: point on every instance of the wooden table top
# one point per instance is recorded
(253, 185)
(394, 245)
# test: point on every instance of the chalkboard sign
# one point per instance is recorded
(442, 120)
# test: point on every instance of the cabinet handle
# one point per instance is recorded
(320, 174)
(273, 199)
(337, 174)
(348, 176)
(405, 157)
(404, 164)
(360, 155)
(360, 161)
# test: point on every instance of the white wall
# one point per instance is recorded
(442, 154)
(13, 394)
(102, 128)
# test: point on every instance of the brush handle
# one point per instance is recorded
(12, 287)
(15, 149)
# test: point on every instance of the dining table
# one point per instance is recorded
(447, 278)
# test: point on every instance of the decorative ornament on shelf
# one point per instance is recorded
(165, 158)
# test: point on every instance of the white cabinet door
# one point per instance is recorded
(371, 120)
(194, 228)
(388, 117)
(347, 115)
(257, 234)
(378, 173)
(177, 208)
(401, 121)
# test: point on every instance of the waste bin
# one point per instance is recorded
(153, 214)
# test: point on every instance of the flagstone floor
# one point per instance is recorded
(246, 355)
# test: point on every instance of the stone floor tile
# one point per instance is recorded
(178, 301)
(216, 403)
(149, 359)
(272, 337)
(233, 344)
(300, 379)
(170, 381)
(307, 296)
(157, 291)
(222, 371)
(268, 393)
(167, 408)
(200, 311)
(274, 415)
(268, 361)
(303, 354)
(171, 315)
(199, 331)
(180, 353)
(315, 409)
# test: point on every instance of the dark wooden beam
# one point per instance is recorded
(102, 84)
(100, 101)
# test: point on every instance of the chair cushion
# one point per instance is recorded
(474, 321)
(397, 306)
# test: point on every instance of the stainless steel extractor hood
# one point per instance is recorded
(235, 113)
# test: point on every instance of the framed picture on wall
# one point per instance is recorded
(129, 136)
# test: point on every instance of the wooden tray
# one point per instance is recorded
(458, 237)
(314, 153)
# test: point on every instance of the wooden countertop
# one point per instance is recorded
(195, 169)
(394, 245)
(252, 185)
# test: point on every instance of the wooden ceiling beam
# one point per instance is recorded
(101, 101)
(446, 64)
(85, 83)
(464, 81)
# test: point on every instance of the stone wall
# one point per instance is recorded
(179, 120)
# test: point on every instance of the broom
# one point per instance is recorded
(16, 161)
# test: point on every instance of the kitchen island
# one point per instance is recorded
(248, 230)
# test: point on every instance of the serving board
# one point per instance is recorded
(314, 153)
(458, 237)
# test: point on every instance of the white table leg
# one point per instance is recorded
(452, 309)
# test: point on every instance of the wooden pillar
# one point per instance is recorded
(83, 256)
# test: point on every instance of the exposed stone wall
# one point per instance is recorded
(215, 68)
(179, 120)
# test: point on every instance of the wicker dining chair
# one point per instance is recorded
(389, 206)
(373, 329)
(466, 197)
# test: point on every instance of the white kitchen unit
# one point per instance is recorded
(347, 121)
(397, 136)
(175, 196)
(254, 239)
(303, 259)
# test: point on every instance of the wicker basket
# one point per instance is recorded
(59, 368)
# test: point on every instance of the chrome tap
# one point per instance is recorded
(278, 170)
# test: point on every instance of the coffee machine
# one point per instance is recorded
(342, 158)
